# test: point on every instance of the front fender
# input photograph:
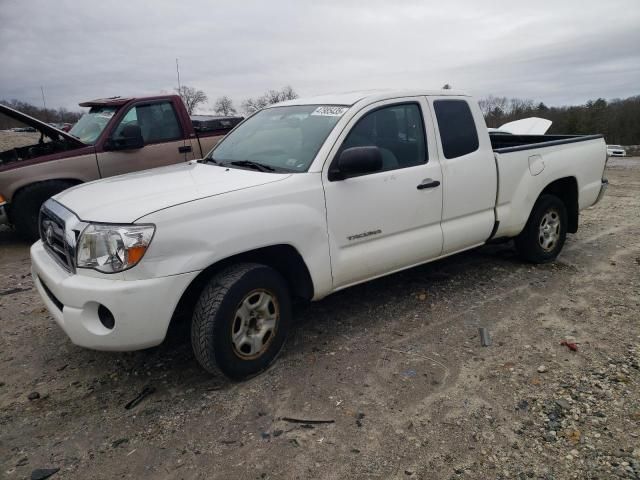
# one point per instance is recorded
(81, 168)
(194, 235)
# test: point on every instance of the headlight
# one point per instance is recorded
(113, 248)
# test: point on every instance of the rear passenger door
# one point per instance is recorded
(469, 175)
(163, 137)
(382, 221)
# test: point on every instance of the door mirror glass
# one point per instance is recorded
(128, 138)
(356, 161)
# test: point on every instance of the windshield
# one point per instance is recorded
(281, 138)
(91, 124)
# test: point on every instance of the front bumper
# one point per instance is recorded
(603, 188)
(142, 309)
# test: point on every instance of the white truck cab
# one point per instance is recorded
(302, 199)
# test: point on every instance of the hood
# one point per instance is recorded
(527, 126)
(126, 198)
(48, 130)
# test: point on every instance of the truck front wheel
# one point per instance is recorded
(241, 320)
(545, 232)
(25, 208)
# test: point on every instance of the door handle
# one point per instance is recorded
(185, 149)
(428, 183)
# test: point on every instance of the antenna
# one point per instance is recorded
(178, 71)
(44, 103)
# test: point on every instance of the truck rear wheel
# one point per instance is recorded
(25, 206)
(545, 232)
(241, 321)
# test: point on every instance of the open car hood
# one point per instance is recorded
(527, 126)
(48, 130)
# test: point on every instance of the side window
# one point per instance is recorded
(458, 131)
(129, 119)
(157, 121)
(396, 130)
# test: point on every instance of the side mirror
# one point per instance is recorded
(130, 138)
(356, 161)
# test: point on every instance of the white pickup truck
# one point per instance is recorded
(302, 199)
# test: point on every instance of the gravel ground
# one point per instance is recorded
(9, 140)
(395, 366)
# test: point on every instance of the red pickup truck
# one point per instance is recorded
(117, 135)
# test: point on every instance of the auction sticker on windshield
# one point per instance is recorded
(330, 111)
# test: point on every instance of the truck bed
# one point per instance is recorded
(513, 143)
(526, 164)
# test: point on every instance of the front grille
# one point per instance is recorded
(56, 233)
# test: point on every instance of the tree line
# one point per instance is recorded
(618, 120)
(50, 115)
(194, 98)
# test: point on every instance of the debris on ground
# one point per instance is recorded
(118, 442)
(146, 391)
(485, 338)
(43, 473)
(570, 345)
(11, 291)
(306, 421)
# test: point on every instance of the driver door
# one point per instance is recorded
(387, 220)
(164, 140)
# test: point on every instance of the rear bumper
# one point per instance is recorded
(603, 188)
(142, 309)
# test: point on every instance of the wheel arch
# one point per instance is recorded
(566, 189)
(21, 188)
(16, 194)
(283, 258)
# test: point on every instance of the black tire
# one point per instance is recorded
(530, 243)
(25, 207)
(217, 315)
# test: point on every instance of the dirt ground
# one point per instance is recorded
(396, 365)
(9, 140)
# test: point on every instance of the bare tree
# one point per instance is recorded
(224, 106)
(251, 105)
(519, 106)
(191, 97)
(491, 103)
(59, 115)
(288, 93)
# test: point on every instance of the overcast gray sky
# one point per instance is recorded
(557, 51)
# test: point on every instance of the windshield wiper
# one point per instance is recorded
(255, 165)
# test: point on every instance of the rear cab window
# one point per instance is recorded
(458, 132)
